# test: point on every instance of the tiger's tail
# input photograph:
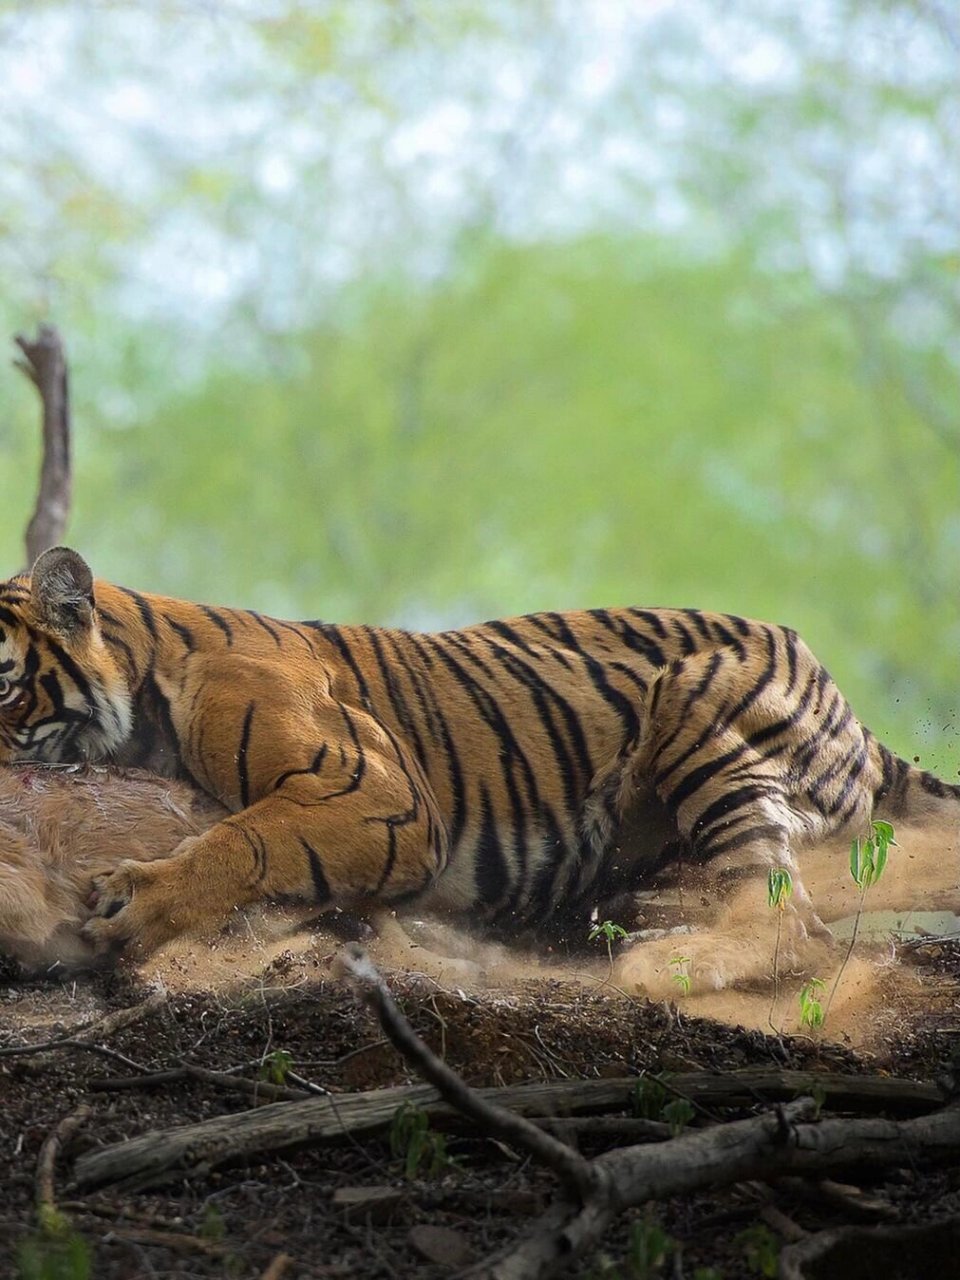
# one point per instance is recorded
(909, 794)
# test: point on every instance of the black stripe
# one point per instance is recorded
(263, 622)
(634, 640)
(721, 809)
(687, 642)
(145, 611)
(727, 637)
(242, 772)
(766, 832)
(695, 779)
(699, 623)
(491, 868)
(218, 621)
(756, 689)
(739, 624)
(653, 620)
(398, 701)
(337, 639)
(360, 767)
(185, 634)
(321, 886)
(440, 731)
(778, 727)
(510, 753)
(80, 681)
(116, 641)
(512, 636)
(315, 766)
(542, 692)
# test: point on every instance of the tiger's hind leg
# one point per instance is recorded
(723, 759)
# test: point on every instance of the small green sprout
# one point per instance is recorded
(868, 860)
(868, 855)
(649, 1098)
(761, 1249)
(681, 975)
(421, 1148)
(214, 1227)
(648, 1249)
(54, 1251)
(779, 887)
(811, 1010)
(779, 890)
(678, 1114)
(276, 1066)
(610, 933)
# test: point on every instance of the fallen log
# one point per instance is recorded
(158, 1156)
(762, 1147)
(155, 1157)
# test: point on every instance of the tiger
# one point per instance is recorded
(510, 774)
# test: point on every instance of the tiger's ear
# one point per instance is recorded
(61, 586)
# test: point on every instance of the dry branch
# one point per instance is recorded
(863, 1253)
(758, 1148)
(493, 1120)
(154, 1158)
(44, 363)
(157, 1157)
(53, 1144)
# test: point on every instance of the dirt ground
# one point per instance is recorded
(496, 1018)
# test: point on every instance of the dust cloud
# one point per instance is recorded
(732, 981)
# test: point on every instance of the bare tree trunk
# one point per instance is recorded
(45, 364)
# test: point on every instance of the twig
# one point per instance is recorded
(221, 1079)
(627, 1128)
(50, 1046)
(176, 1241)
(146, 1080)
(277, 1267)
(54, 1142)
(83, 1038)
(44, 363)
(507, 1126)
(239, 1084)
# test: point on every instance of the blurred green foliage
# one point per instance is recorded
(683, 334)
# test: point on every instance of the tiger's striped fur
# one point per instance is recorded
(514, 771)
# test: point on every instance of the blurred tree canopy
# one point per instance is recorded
(422, 312)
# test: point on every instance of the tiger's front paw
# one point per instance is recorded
(137, 908)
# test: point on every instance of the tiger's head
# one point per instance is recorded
(62, 694)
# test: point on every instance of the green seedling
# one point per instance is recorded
(779, 891)
(213, 1227)
(610, 933)
(868, 860)
(41, 1258)
(276, 1067)
(761, 1250)
(680, 973)
(811, 1010)
(652, 1100)
(421, 1149)
(648, 1249)
(868, 856)
(649, 1098)
(55, 1251)
(678, 1114)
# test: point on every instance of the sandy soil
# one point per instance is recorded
(496, 1015)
